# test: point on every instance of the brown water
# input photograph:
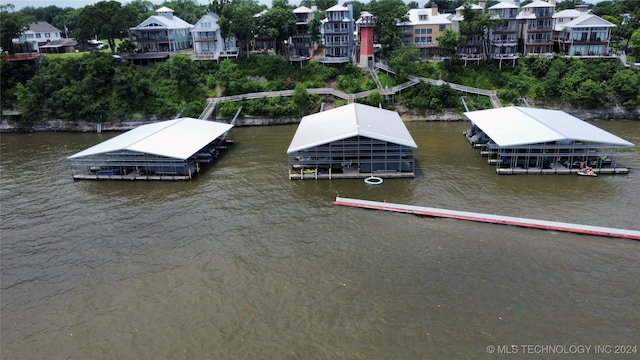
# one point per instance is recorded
(244, 264)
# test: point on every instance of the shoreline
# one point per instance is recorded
(81, 126)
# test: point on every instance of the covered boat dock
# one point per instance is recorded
(168, 150)
(352, 141)
(522, 140)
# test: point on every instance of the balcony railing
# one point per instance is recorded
(336, 31)
(336, 43)
(333, 60)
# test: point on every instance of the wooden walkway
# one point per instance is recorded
(492, 219)
(350, 98)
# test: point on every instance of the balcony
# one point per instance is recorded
(336, 31)
(333, 60)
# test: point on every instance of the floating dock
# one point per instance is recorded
(492, 219)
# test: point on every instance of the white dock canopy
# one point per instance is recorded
(519, 126)
(348, 121)
(176, 139)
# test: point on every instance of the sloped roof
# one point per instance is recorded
(59, 43)
(588, 20)
(414, 17)
(503, 5)
(472, 6)
(302, 10)
(177, 139)
(42, 27)
(164, 22)
(337, 8)
(349, 121)
(515, 126)
(539, 3)
(208, 18)
(567, 13)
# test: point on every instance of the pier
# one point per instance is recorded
(491, 219)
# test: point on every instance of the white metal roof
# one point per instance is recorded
(415, 14)
(515, 126)
(589, 20)
(178, 139)
(503, 5)
(348, 121)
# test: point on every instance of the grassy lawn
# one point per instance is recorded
(386, 80)
(82, 53)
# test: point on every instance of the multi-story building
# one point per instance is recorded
(535, 34)
(300, 46)
(42, 37)
(164, 32)
(263, 44)
(208, 43)
(503, 40)
(423, 29)
(474, 47)
(337, 35)
(578, 33)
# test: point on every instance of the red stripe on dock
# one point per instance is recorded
(491, 219)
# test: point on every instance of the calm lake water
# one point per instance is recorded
(242, 263)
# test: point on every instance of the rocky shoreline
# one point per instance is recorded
(18, 126)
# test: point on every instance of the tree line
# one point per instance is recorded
(95, 87)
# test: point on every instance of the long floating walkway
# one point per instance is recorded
(493, 219)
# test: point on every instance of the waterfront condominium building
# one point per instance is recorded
(503, 39)
(536, 28)
(578, 33)
(300, 46)
(337, 34)
(423, 28)
(164, 32)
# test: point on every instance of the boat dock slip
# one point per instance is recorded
(492, 219)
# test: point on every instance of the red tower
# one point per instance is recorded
(365, 30)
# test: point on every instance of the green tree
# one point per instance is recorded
(451, 41)
(237, 20)
(591, 94)
(315, 25)
(477, 23)
(322, 4)
(387, 14)
(11, 26)
(302, 99)
(568, 4)
(375, 98)
(404, 61)
(12, 74)
(187, 10)
(445, 6)
(47, 13)
(67, 21)
(278, 22)
(635, 43)
(105, 20)
(626, 87)
(143, 9)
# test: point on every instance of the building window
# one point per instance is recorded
(442, 27)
